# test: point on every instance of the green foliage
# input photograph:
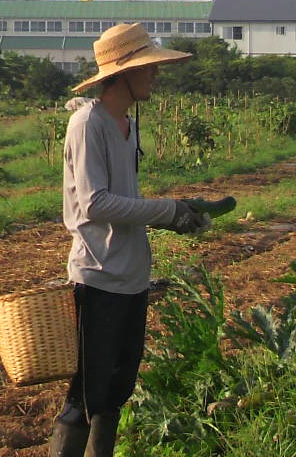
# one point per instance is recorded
(207, 72)
(197, 139)
(18, 132)
(27, 209)
(193, 400)
(18, 108)
(208, 136)
(17, 151)
(215, 69)
(278, 334)
(186, 371)
(30, 78)
(52, 130)
(87, 69)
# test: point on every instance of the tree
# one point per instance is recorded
(28, 77)
(45, 79)
(209, 69)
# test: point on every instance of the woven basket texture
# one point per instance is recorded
(38, 335)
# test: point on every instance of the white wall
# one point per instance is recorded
(55, 55)
(261, 38)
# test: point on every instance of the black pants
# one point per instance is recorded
(112, 330)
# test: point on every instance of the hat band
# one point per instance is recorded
(121, 60)
(125, 58)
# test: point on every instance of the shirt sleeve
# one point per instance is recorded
(85, 154)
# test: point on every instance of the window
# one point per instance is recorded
(237, 33)
(227, 33)
(202, 27)
(233, 33)
(106, 25)
(59, 65)
(149, 26)
(93, 26)
(185, 27)
(54, 26)
(3, 26)
(281, 30)
(37, 26)
(68, 67)
(75, 67)
(76, 26)
(21, 26)
(163, 27)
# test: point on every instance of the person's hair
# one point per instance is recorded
(109, 82)
(105, 84)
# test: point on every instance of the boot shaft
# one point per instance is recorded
(102, 435)
(68, 440)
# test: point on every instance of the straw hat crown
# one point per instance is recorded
(119, 41)
(125, 47)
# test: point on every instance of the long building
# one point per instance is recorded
(66, 30)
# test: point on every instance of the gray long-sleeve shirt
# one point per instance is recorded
(102, 207)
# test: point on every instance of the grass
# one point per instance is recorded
(267, 428)
(24, 170)
(27, 209)
(18, 131)
(172, 174)
(15, 108)
(36, 172)
(170, 251)
(274, 201)
(21, 150)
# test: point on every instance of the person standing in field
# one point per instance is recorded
(110, 259)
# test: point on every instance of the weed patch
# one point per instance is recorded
(195, 400)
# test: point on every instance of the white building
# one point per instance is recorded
(256, 27)
(65, 30)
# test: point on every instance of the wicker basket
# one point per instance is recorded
(38, 336)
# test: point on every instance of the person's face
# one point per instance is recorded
(140, 81)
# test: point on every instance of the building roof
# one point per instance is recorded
(10, 43)
(105, 9)
(253, 10)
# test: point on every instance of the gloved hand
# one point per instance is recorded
(186, 221)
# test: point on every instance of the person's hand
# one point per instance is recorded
(204, 222)
(186, 221)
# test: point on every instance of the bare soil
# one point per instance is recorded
(247, 261)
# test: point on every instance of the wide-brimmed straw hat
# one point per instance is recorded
(124, 47)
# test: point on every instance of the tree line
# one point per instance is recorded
(214, 69)
(30, 78)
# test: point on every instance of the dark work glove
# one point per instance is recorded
(186, 221)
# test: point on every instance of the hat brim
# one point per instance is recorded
(147, 56)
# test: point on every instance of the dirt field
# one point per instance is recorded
(247, 262)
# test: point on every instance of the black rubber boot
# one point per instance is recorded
(68, 440)
(70, 433)
(102, 434)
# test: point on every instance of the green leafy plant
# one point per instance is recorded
(186, 371)
(277, 333)
(197, 140)
(193, 399)
(52, 132)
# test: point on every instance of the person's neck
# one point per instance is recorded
(117, 100)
